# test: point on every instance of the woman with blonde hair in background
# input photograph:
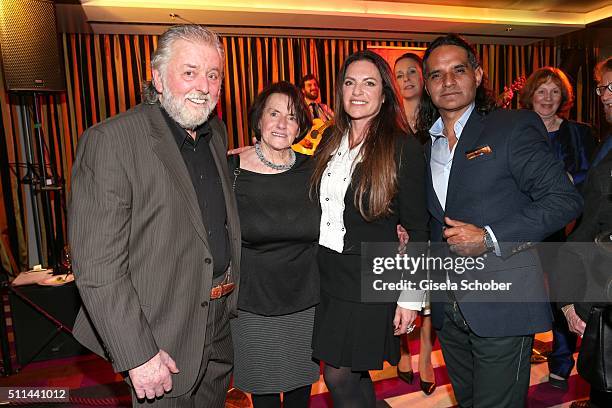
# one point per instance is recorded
(408, 70)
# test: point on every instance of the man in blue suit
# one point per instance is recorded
(494, 188)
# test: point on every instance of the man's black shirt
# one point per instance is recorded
(207, 185)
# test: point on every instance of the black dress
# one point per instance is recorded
(279, 282)
(347, 332)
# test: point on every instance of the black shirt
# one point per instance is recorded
(280, 228)
(207, 185)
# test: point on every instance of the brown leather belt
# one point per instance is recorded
(225, 287)
(221, 290)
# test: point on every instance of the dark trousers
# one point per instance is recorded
(600, 399)
(486, 372)
(217, 361)
(561, 359)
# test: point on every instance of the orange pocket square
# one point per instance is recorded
(472, 154)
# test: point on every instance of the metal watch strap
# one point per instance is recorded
(488, 240)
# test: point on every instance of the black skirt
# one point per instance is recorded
(272, 353)
(349, 333)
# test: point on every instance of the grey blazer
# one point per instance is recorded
(140, 250)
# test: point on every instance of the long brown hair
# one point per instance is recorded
(377, 182)
(419, 127)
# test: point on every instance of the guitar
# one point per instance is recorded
(310, 142)
(504, 100)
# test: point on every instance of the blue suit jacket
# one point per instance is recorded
(522, 192)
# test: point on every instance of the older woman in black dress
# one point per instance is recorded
(369, 176)
(279, 283)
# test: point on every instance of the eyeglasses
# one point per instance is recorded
(601, 89)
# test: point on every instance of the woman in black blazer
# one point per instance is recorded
(369, 177)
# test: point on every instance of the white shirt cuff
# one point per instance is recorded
(412, 295)
(410, 305)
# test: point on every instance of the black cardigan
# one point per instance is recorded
(340, 273)
(580, 267)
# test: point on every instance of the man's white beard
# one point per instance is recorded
(185, 117)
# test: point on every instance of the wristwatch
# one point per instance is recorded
(488, 240)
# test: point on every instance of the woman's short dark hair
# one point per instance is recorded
(296, 104)
(541, 76)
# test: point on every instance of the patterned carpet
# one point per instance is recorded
(91, 377)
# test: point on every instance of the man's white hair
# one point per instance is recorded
(161, 57)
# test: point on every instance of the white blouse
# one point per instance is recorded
(334, 184)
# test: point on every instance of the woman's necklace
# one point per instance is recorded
(274, 165)
(412, 124)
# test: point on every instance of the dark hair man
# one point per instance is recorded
(310, 88)
(494, 186)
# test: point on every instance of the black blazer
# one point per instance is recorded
(583, 272)
(408, 206)
(577, 144)
(409, 210)
(522, 192)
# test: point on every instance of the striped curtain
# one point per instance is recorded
(104, 75)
